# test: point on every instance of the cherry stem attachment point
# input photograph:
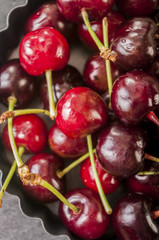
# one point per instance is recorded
(152, 158)
(49, 81)
(98, 183)
(152, 117)
(10, 175)
(61, 173)
(155, 214)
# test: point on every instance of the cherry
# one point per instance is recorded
(64, 146)
(15, 81)
(91, 222)
(109, 182)
(80, 112)
(114, 19)
(120, 149)
(137, 7)
(132, 219)
(134, 42)
(46, 165)
(97, 9)
(134, 94)
(95, 75)
(48, 15)
(43, 49)
(29, 131)
(63, 80)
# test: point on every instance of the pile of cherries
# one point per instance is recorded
(120, 122)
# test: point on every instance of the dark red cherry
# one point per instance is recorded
(134, 94)
(64, 146)
(95, 75)
(114, 19)
(120, 149)
(132, 219)
(15, 81)
(48, 15)
(146, 184)
(80, 112)
(97, 9)
(135, 45)
(43, 49)
(45, 165)
(92, 221)
(109, 182)
(63, 80)
(136, 8)
(29, 131)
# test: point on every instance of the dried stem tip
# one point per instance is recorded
(6, 115)
(107, 54)
(27, 177)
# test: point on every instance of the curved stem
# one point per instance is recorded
(98, 183)
(10, 175)
(52, 107)
(152, 158)
(148, 173)
(61, 173)
(59, 195)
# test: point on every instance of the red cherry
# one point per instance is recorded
(42, 50)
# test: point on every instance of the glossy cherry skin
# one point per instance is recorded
(29, 131)
(97, 9)
(95, 75)
(136, 8)
(63, 80)
(134, 94)
(146, 184)
(92, 221)
(109, 182)
(15, 81)
(43, 49)
(45, 165)
(114, 19)
(132, 219)
(64, 146)
(135, 44)
(80, 112)
(48, 15)
(120, 149)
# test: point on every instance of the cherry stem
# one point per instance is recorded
(107, 62)
(98, 183)
(155, 214)
(12, 101)
(10, 175)
(49, 81)
(59, 195)
(152, 158)
(148, 173)
(152, 117)
(60, 174)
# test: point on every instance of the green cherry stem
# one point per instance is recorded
(147, 173)
(61, 173)
(152, 158)
(98, 183)
(10, 175)
(49, 81)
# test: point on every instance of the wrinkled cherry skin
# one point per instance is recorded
(45, 165)
(80, 112)
(132, 219)
(95, 75)
(109, 182)
(114, 19)
(134, 94)
(29, 131)
(97, 9)
(43, 49)
(48, 15)
(92, 221)
(120, 149)
(136, 8)
(15, 81)
(63, 80)
(135, 45)
(146, 184)
(64, 146)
